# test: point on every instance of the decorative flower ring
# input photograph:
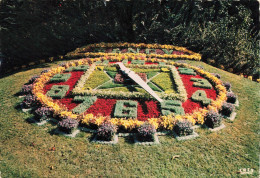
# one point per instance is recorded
(86, 90)
(133, 50)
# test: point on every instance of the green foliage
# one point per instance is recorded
(78, 68)
(138, 62)
(201, 96)
(130, 88)
(161, 63)
(151, 74)
(86, 102)
(186, 71)
(141, 70)
(96, 78)
(126, 108)
(202, 83)
(165, 82)
(58, 91)
(112, 69)
(154, 87)
(225, 31)
(110, 84)
(172, 106)
(111, 74)
(60, 78)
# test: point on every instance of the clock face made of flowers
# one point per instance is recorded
(93, 90)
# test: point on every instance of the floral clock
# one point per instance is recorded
(94, 91)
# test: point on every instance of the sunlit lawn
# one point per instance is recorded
(25, 148)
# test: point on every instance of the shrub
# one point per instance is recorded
(68, 125)
(33, 78)
(227, 109)
(146, 132)
(106, 131)
(45, 71)
(213, 119)
(43, 113)
(183, 128)
(227, 85)
(63, 64)
(216, 75)
(231, 97)
(29, 101)
(27, 89)
(221, 30)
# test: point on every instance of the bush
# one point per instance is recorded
(221, 30)
(33, 79)
(68, 125)
(227, 85)
(227, 109)
(213, 119)
(106, 131)
(146, 132)
(29, 101)
(45, 71)
(183, 128)
(231, 97)
(216, 75)
(43, 113)
(27, 89)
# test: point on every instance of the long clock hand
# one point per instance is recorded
(138, 80)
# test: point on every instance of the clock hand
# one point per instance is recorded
(138, 80)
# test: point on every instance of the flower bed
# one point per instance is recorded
(145, 110)
(133, 50)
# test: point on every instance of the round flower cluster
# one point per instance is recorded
(106, 131)
(146, 131)
(68, 124)
(26, 89)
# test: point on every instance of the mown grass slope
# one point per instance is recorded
(25, 148)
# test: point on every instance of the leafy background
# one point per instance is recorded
(224, 32)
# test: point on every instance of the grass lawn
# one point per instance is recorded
(25, 148)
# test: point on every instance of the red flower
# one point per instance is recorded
(189, 106)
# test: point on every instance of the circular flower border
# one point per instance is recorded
(163, 122)
(82, 52)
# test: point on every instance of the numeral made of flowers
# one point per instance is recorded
(86, 102)
(186, 71)
(60, 78)
(201, 96)
(202, 83)
(58, 91)
(126, 108)
(172, 106)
